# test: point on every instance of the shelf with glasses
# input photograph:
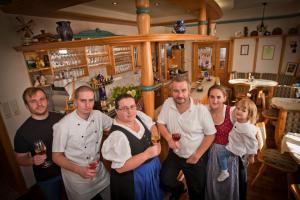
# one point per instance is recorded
(122, 57)
(67, 57)
(68, 67)
(97, 56)
(39, 69)
(104, 64)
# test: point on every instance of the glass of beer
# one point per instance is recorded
(155, 139)
(41, 149)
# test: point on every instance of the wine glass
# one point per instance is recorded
(41, 149)
(93, 162)
(176, 137)
(155, 138)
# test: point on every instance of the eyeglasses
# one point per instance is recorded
(133, 107)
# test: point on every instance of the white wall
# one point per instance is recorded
(269, 65)
(243, 63)
(289, 56)
(13, 80)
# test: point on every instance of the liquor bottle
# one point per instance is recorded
(103, 98)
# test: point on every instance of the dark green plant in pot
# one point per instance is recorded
(134, 91)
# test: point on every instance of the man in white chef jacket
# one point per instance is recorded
(76, 141)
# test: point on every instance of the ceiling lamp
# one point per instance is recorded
(262, 27)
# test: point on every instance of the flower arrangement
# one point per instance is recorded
(134, 91)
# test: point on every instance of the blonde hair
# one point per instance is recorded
(251, 107)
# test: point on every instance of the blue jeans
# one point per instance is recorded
(52, 188)
(223, 158)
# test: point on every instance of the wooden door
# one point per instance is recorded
(203, 58)
(220, 68)
(9, 166)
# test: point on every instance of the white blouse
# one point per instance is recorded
(116, 147)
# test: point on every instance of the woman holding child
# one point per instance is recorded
(235, 185)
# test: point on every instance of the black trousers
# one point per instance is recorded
(195, 175)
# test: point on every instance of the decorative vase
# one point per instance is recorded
(245, 31)
(64, 30)
(179, 27)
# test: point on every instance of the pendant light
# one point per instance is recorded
(262, 27)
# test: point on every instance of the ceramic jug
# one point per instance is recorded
(179, 27)
(64, 30)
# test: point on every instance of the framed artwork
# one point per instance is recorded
(204, 57)
(268, 52)
(244, 49)
(291, 68)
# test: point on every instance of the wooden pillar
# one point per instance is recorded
(202, 21)
(143, 24)
(211, 28)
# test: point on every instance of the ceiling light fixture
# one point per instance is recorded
(262, 27)
(114, 3)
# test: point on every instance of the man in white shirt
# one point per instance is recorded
(194, 123)
(76, 143)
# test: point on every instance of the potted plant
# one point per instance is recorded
(134, 91)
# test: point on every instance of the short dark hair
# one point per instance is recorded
(82, 88)
(180, 79)
(29, 92)
(122, 96)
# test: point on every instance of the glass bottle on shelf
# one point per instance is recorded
(103, 98)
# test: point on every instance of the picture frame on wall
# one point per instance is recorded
(204, 57)
(291, 68)
(268, 52)
(244, 49)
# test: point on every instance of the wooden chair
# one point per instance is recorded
(271, 157)
(241, 91)
(279, 91)
(288, 121)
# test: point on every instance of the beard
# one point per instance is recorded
(180, 100)
(42, 110)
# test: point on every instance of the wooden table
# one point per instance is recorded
(202, 95)
(255, 83)
(291, 143)
(286, 103)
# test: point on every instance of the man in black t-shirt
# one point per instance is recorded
(29, 140)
